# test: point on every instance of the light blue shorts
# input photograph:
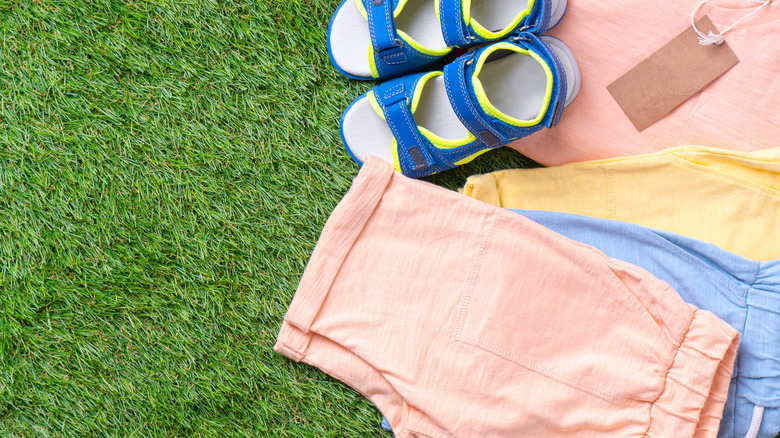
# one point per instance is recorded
(744, 293)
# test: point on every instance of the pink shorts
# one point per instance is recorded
(459, 319)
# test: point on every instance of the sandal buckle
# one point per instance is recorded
(394, 54)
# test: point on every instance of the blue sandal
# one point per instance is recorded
(379, 39)
(426, 123)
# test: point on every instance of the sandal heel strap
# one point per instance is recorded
(538, 20)
(530, 41)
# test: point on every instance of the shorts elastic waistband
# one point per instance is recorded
(694, 395)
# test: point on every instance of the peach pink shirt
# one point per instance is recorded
(740, 110)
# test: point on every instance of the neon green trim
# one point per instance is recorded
(361, 9)
(396, 161)
(445, 143)
(398, 7)
(374, 104)
(415, 96)
(483, 99)
(420, 48)
(418, 87)
(466, 10)
(372, 62)
(470, 157)
(488, 34)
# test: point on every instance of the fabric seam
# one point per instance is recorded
(711, 121)
(683, 163)
(709, 271)
(465, 299)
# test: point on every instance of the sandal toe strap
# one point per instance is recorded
(414, 150)
(392, 56)
(453, 26)
(381, 26)
(538, 20)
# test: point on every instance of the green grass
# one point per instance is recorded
(165, 170)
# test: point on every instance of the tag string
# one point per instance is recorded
(717, 38)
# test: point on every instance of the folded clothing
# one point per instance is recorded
(730, 199)
(459, 319)
(744, 293)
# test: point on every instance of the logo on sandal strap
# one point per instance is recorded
(417, 158)
(556, 114)
(489, 139)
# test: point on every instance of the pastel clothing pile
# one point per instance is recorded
(726, 198)
(730, 199)
(631, 291)
(744, 293)
(471, 321)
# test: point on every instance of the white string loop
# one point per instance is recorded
(717, 38)
(755, 423)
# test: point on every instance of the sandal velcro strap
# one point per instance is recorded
(391, 54)
(381, 25)
(453, 26)
(414, 150)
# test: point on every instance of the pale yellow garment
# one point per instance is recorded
(728, 198)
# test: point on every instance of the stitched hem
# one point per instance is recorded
(339, 235)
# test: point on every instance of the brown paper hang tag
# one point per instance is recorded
(671, 75)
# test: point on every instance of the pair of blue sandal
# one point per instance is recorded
(514, 85)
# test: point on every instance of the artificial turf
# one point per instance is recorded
(165, 170)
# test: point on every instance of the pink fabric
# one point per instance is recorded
(608, 37)
(460, 319)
